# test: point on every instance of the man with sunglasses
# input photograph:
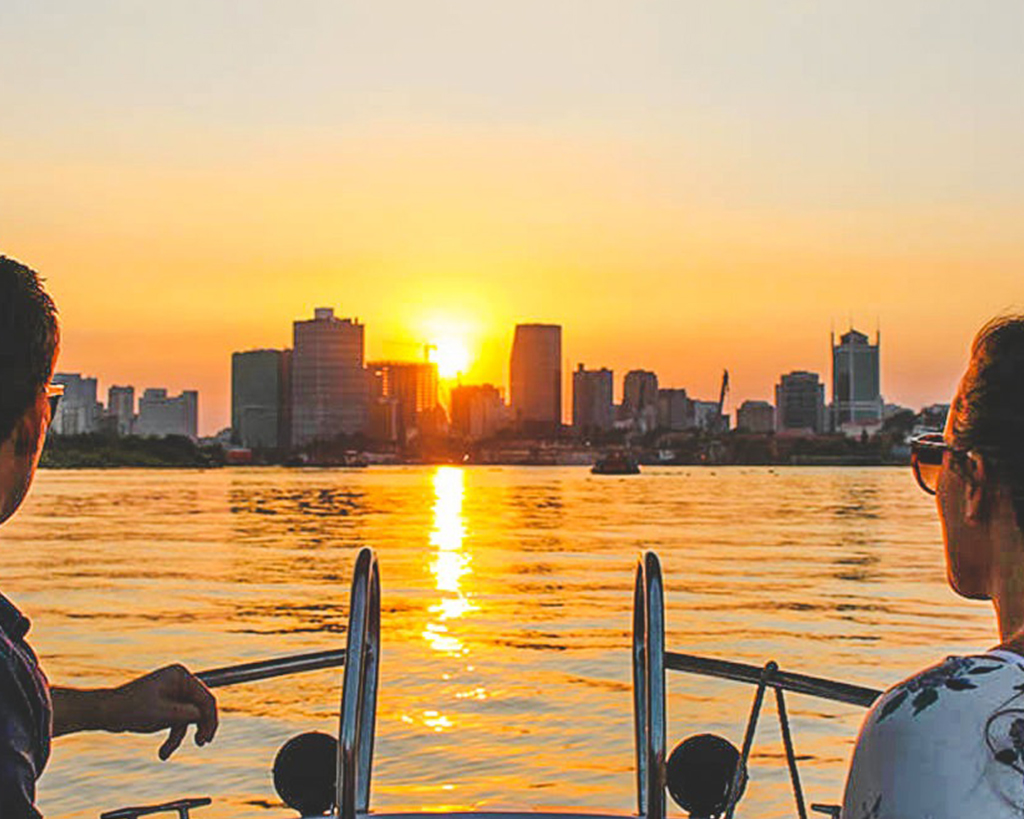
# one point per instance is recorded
(31, 712)
(949, 742)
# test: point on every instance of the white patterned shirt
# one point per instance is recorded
(946, 743)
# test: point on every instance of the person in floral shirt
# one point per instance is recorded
(949, 741)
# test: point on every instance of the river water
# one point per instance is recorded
(507, 592)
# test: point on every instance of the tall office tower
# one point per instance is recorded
(755, 416)
(79, 411)
(800, 403)
(161, 414)
(478, 411)
(329, 385)
(536, 378)
(856, 395)
(675, 410)
(593, 404)
(121, 407)
(260, 394)
(412, 384)
(639, 391)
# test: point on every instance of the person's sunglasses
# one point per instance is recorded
(926, 452)
(54, 392)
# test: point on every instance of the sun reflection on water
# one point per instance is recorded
(451, 562)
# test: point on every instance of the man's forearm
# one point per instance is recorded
(80, 709)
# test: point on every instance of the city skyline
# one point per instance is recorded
(684, 186)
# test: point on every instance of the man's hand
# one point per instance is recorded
(171, 697)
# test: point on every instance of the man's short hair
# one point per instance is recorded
(28, 340)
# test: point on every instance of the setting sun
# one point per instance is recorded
(451, 356)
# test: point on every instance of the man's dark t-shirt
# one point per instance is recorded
(26, 717)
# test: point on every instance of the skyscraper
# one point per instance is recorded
(79, 411)
(800, 402)
(329, 385)
(478, 411)
(412, 384)
(755, 416)
(260, 393)
(856, 393)
(161, 414)
(592, 399)
(639, 391)
(675, 410)
(536, 378)
(121, 407)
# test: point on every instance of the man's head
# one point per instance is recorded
(29, 337)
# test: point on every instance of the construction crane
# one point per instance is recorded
(719, 426)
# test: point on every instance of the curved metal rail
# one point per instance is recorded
(650, 661)
(359, 689)
(649, 686)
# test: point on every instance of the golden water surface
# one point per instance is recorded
(505, 677)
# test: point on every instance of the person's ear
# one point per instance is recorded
(28, 431)
(978, 488)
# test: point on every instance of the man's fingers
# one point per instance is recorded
(172, 742)
(198, 695)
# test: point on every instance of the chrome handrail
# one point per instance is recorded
(651, 660)
(359, 689)
(649, 710)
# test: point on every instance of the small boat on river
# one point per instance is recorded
(618, 462)
(317, 774)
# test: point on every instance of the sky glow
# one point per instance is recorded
(684, 186)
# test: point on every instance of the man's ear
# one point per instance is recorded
(28, 432)
(979, 489)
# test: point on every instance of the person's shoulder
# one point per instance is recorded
(936, 743)
(959, 682)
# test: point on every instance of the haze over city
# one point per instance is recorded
(682, 187)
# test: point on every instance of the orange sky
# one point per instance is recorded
(681, 211)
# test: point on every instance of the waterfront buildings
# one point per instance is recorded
(477, 411)
(856, 395)
(800, 403)
(121, 409)
(536, 378)
(261, 398)
(329, 385)
(675, 410)
(78, 412)
(755, 416)
(707, 417)
(640, 399)
(161, 414)
(593, 404)
(408, 389)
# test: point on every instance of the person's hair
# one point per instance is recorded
(988, 415)
(28, 340)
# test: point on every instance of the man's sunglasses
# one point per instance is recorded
(926, 453)
(54, 392)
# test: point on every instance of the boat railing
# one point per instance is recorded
(650, 661)
(359, 689)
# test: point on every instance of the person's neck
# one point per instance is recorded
(1008, 582)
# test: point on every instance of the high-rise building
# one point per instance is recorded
(478, 411)
(411, 384)
(800, 403)
(78, 412)
(260, 395)
(161, 414)
(121, 407)
(755, 416)
(856, 384)
(329, 385)
(675, 410)
(639, 391)
(536, 378)
(593, 401)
